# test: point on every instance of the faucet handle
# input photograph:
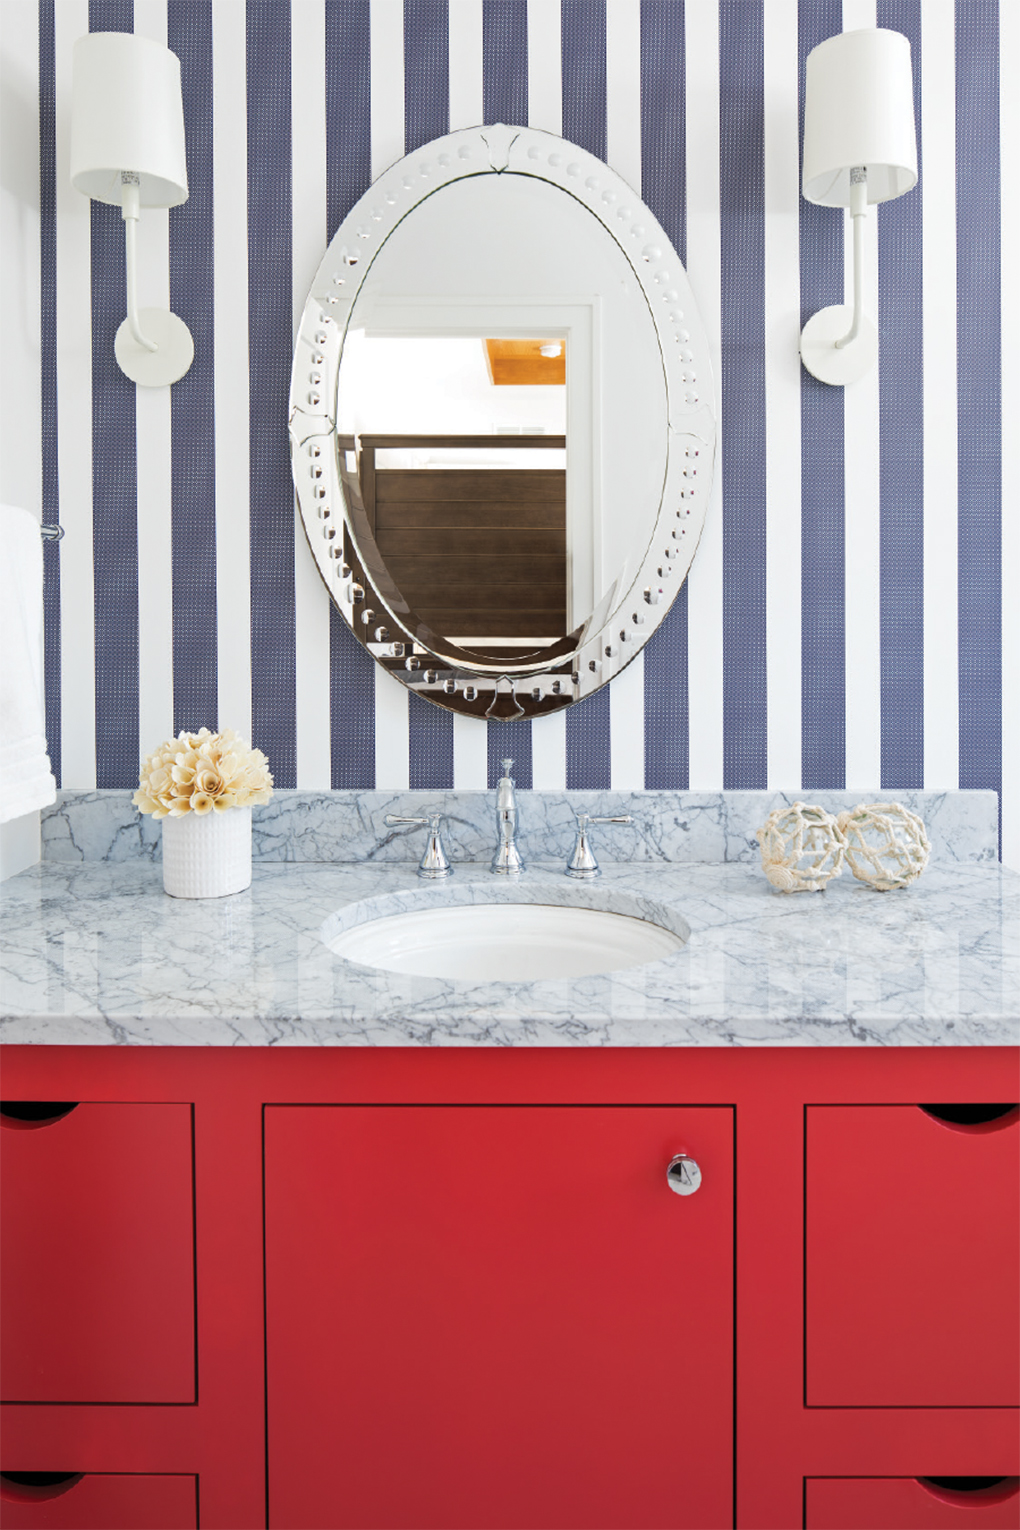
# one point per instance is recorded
(434, 864)
(582, 863)
(507, 765)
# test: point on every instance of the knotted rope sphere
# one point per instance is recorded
(801, 833)
(886, 844)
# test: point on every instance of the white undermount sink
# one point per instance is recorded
(507, 941)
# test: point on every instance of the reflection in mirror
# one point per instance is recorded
(460, 457)
(514, 552)
(501, 422)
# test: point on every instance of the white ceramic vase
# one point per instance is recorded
(207, 855)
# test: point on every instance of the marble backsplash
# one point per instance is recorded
(341, 827)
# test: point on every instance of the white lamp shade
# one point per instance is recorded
(859, 110)
(127, 114)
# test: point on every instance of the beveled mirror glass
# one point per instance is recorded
(501, 422)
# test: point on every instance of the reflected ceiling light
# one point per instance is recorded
(859, 147)
(127, 149)
(554, 348)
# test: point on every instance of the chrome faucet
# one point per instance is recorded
(582, 864)
(507, 860)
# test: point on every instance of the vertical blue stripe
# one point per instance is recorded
(505, 61)
(510, 740)
(823, 617)
(583, 40)
(193, 400)
(901, 456)
(501, 76)
(114, 485)
(664, 188)
(48, 371)
(742, 425)
(348, 175)
(979, 420)
(271, 515)
(426, 72)
(427, 116)
(589, 746)
(430, 733)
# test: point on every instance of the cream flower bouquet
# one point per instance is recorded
(190, 782)
(203, 772)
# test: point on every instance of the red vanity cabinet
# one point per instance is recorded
(905, 1503)
(97, 1269)
(912, 1262)
(103, 1501)
(483, 1316)
(476, 1300)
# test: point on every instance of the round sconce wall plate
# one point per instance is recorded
(831, 364)
(155, 369)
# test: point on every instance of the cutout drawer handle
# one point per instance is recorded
(36, 1487)
(966, 1117)
(971, 1492)
(27, 1115)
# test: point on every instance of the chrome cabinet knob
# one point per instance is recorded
(683, 1174)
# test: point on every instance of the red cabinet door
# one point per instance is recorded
(498, 1316)
(102, 1501)
(903, 1503)
(97, 1273)
(913, 1260)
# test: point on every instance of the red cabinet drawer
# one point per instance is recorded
(904, 1503)
(912, 1260)
(498, 1316)
(97, 1272)
(102, 1501)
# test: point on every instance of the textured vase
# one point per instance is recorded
(207, 855)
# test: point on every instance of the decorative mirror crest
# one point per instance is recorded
(334, 466)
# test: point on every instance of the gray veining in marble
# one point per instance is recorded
(97, 953)
(341, 827)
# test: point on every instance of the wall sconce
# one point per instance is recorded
(127, 148)
(859, 147)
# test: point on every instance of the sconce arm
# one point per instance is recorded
(130, 208)
(858, 211)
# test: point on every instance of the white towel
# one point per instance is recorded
(26, 780)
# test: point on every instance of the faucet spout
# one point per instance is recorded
(507, 860)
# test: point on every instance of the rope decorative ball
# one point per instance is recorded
(886, 844)
(799, 833)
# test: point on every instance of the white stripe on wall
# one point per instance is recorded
(308, 222)
(387, 83)
(623, 151)
(545, 80)
(782, 403)
(705, 639)
(152, 435)
(465, 64)
(861, 511)
(623, 90)
(230, 161)
(470, 755)
(74, 387)
(549, 753)
(21, 463)
(1009, 38)
(938, 188)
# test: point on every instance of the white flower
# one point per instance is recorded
(202, 772)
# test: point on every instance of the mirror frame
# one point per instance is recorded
(327, 492)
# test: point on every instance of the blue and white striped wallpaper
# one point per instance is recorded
(843, 623)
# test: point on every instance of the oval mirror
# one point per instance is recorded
(501, 422)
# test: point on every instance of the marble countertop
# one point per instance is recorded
(96, 953)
